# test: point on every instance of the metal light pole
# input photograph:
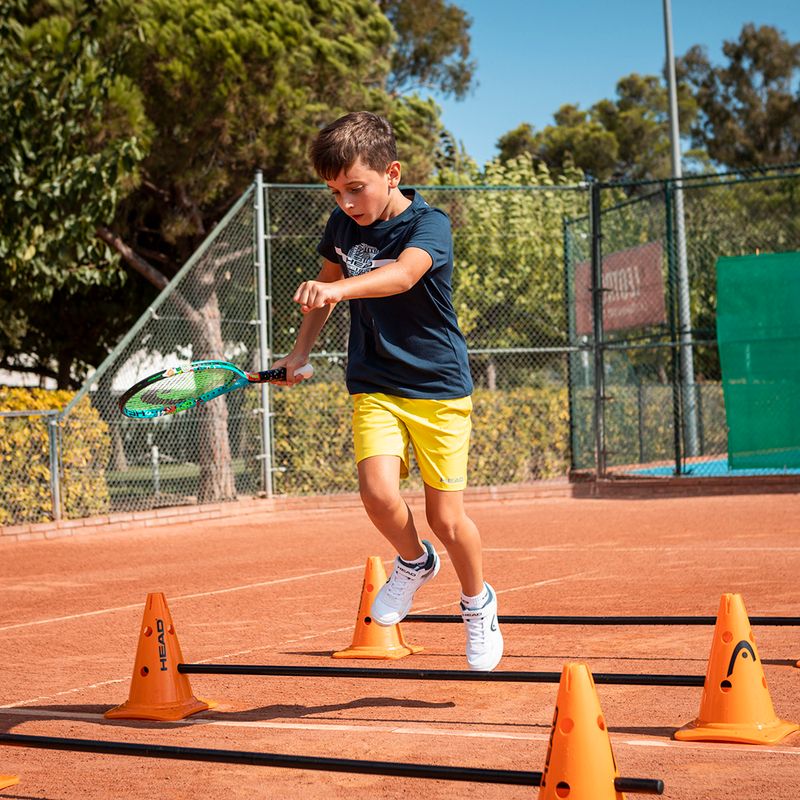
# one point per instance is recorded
(684, 309)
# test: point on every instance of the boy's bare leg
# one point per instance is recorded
(379, 485)
(459, 535)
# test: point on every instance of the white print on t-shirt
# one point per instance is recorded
(361, 259)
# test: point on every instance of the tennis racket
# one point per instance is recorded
(180, 388)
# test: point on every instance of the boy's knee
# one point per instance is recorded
(444, 526)
(378, 499)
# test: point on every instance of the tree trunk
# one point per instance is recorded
(216, 473)
(119, 461)
(491, 375)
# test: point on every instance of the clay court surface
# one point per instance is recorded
(284, 588)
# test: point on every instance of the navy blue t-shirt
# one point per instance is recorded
(409, 344)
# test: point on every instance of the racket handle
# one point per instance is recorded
(279, 374)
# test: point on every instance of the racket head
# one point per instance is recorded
(180, 388)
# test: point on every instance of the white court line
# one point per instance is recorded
(244, 587)
(417, 730)
(284, 643)
(548, 582)
(181, 597)
(301, 726)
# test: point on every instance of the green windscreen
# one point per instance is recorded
(758, 331)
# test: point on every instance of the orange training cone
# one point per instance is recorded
(736, 706)
(580, 764)
(370, 639)
(158, 690)
(8, 780)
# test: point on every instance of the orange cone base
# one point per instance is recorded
(371, 640)
(395, 648)
(728, 732)
(8, 780)
(171, 712)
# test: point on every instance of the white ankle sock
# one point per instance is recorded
(419, 560)
(478, 601)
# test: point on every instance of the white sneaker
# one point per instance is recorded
(395, 597)
(484, 640)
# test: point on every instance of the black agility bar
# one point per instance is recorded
(392, 768)
(635, 620)
(504, 676)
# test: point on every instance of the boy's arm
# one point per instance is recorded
(394, 278)
(310, 327)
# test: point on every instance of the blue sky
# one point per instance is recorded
(535, 55)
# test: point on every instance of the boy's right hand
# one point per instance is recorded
(317, 294)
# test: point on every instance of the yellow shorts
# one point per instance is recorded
(439, 430)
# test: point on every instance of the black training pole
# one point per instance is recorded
(566, 620)
(506, 676)
(393, 768)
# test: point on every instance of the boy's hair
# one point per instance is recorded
(359, 134)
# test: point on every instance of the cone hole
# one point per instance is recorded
(367, 620)
(369, 587)
(566, 724)
(726, 686)
(601, 723)
(563, 789)
(148, 631)
(171, 629)
(144, 672)
(727, 637)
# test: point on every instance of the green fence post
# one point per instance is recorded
(597, 313)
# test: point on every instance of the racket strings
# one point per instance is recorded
(177, 389)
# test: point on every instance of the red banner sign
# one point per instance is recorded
(634, 294)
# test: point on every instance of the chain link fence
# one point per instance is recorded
(209, 310)
(509, 295)
(660, 396)
(582, 310)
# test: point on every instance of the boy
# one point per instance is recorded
(391, 256)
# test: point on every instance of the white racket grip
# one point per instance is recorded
(306, 371)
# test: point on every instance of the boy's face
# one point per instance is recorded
(366, 195)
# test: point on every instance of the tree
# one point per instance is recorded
(206, 91)
(432, 47)
(61, 172)
(639, 121)
(750, 107)
(622, 139)
(224, 87)
(508, 289)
